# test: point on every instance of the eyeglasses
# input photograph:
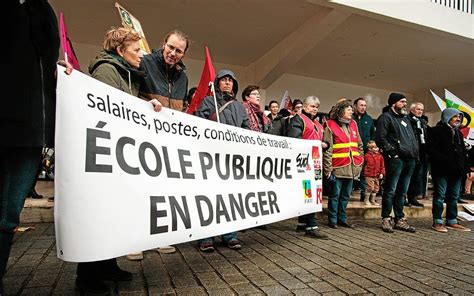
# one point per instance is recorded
(175, 49)
(255, 94)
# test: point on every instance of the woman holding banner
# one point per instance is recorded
(116, 65)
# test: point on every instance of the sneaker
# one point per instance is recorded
(233, 244)
(166, 249)
(439, 228)
(315, 233)
(458, 227)
(403, 225)
(345, 224)
(387, 225)
(135, 256)
(91, 286)
(206, 246)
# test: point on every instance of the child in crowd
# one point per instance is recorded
(374, 171)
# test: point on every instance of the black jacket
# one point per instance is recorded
(420, 127)
(30, 54)
(395, 136)
(169, 86)
(447, 151)
(279, 125)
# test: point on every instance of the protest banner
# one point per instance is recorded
(130, 179)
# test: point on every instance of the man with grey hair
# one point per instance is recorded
(420, 172)
(305, 126)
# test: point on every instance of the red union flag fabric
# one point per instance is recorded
(208, 74)
(66, 44)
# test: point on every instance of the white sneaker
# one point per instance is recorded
(166, 249)
(135, 256)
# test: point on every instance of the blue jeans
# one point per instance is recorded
(399, 172)
(338, 200)
(450, 188)
(308, 221)
(225, 237)
(18, 171)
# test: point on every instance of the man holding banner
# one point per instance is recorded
(166, 79)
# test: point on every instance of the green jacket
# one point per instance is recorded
(113, 70)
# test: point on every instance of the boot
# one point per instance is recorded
(372, 199)
(35, 194)
(367, 198)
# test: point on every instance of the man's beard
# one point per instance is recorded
(402, 111)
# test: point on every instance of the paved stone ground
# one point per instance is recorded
(277, 261)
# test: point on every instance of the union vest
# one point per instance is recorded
(345, 149)
(313, 130)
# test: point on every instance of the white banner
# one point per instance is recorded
(130, 179)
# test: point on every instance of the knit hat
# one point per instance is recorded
(449, 113)
(395, 97)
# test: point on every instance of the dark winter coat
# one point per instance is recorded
(167, 85)
(27, 114)
(115, 71)
(395, 136)
(366, 127)
(447, 151)
(420, 131)
(279, 125)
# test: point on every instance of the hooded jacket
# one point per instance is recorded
(115, 71)
(446, 149)
(167, 85)
(234, 113)
(395, 136)
(27, 114)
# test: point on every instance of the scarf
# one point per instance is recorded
(257, 118)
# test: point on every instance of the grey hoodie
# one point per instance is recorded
(234, 114)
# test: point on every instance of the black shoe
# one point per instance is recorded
(300, 228)
(315, 233)
(117, 275)
(332, 225)
(35, 194)
(461, 201)
(264, 227)
(415, 203)
(91, 286)
(345, 224)
(406, 203)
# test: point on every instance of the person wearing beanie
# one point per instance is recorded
(395, 137)
(449, 163)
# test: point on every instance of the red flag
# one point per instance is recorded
(208, 74)
(66, 44)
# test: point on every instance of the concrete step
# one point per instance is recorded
(42, 210)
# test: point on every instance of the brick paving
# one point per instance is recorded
(277, 261)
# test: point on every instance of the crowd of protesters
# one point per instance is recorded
(397, 151)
